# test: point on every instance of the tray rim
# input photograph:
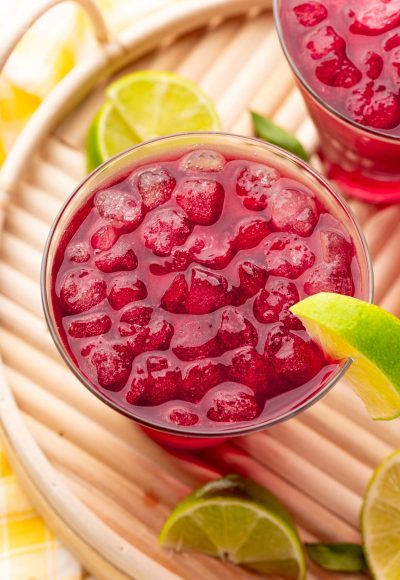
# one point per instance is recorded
(101, 550)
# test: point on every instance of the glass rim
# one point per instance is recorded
(314, 94)
(177, 430)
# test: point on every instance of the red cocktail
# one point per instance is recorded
(346, 56)
(169, 275)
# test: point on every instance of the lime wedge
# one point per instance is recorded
(144, 105)
(237, 520)
(350, 328)
(380, 520)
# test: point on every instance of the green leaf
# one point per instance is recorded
(338, 557)
(268, 131)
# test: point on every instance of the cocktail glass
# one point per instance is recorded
(171, 148)
(362, 161)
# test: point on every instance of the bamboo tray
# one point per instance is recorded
(103, 486)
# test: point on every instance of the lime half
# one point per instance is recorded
(237, 520)
(350, 328)
(144, 105)
(380, 520)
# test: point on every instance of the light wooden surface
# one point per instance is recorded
(104, 487)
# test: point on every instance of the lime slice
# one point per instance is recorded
(144, 105)
(380, 520)
(350, 328)
(154, 103)
(107, 136)
(239, 521)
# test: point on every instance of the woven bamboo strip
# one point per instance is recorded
(39, 201)
(134, 499)
(308, 135)
(197, 61)
(26, 258)
(383, 221)
(50, 374)
(170, 52)
(274, 89)
(384, 273)
(311, 515)
(189, 566)
(55, 416)
(120, 497)
(35, 410)
(345, 433)
(292, 112)
(133, 502)
(324, 454)
(345, 402)
(63, 157)
(148, 36)
(75, 132)
(391, 299)
(242, 90)
(63, 98)
(50, 178)
(237, 51)
(20, 322)
(336, 497)
(113, 451)
(30, 229)
(362, 210)
(20, 288)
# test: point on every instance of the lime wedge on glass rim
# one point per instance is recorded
(239, 521)
(144, 105)
(380, 520)
(349, 328)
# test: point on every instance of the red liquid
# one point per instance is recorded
(348, 53)
(171, 290)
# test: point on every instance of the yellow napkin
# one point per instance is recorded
(28, 550)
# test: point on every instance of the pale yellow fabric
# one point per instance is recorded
(28, 549)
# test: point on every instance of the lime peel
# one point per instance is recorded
(346, 327)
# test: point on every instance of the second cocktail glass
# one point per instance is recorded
(362, 159)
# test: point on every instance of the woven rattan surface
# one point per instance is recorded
(318, 464)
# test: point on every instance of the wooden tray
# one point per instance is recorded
(103, 486)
